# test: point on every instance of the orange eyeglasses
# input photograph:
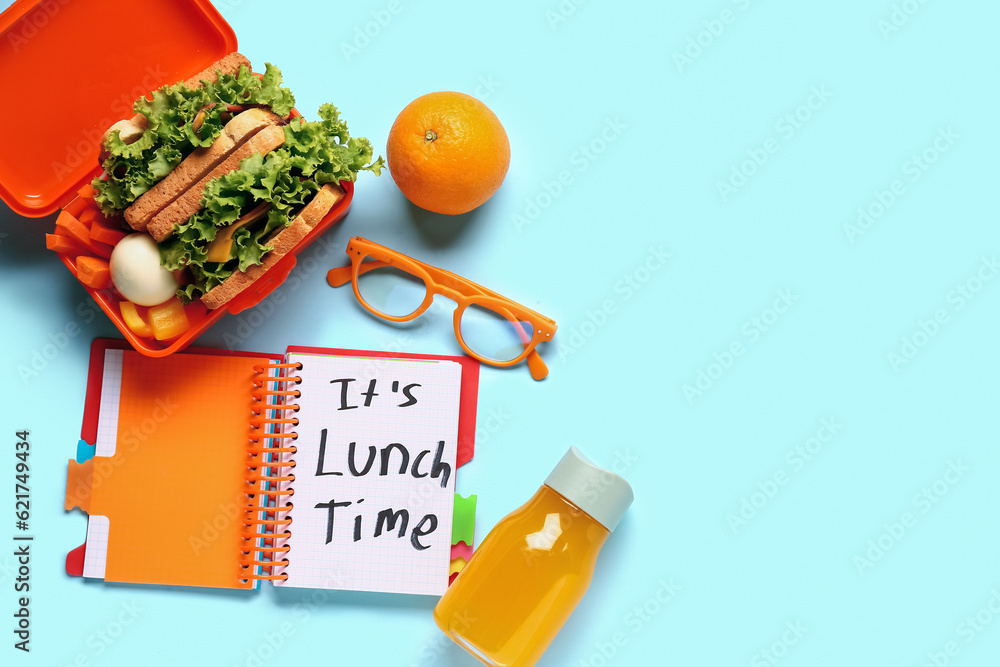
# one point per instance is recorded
(488, 326)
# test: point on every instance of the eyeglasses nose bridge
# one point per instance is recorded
(449, 292)
(433, 288)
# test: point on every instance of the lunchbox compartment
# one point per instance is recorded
(198, 315)
(71, 89)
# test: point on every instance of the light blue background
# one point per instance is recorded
(662, 135)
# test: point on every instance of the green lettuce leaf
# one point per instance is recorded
(132, 169)
(272, 94)
(314, 153)
(163, 162)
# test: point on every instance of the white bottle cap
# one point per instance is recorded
(600, 493)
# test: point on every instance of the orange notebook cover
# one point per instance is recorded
(184, 487)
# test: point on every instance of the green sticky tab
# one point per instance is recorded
(464, 526)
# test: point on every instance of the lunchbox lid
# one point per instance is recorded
(70, 70)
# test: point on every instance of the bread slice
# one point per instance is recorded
(161, 225)
(132, 128)
(228, 64)
(282, 242)
(129, 131)
(194, 167)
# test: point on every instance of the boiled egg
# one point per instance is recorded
(136, 272)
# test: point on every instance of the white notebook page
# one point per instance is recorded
(414, 403)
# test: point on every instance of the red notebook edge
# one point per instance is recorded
(88, 430)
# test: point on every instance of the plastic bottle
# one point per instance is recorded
(521, 585)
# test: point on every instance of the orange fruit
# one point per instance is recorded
(448, 152)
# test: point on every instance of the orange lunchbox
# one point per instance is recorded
(75, 76)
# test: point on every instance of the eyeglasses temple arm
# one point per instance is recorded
(341, 275)
(539, 371)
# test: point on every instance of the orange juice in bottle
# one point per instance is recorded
(521, 585)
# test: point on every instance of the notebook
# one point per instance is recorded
(319, 468)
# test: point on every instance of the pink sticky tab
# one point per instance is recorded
(461, 550)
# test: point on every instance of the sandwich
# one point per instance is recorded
(224, 175)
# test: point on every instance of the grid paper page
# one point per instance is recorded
(325, 555)
(96, 557)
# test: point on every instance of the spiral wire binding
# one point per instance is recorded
(266, 524)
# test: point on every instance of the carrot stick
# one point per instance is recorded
(64, 245)
(73, 228)
(93, 272)
(69, 226)
(103, 233)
